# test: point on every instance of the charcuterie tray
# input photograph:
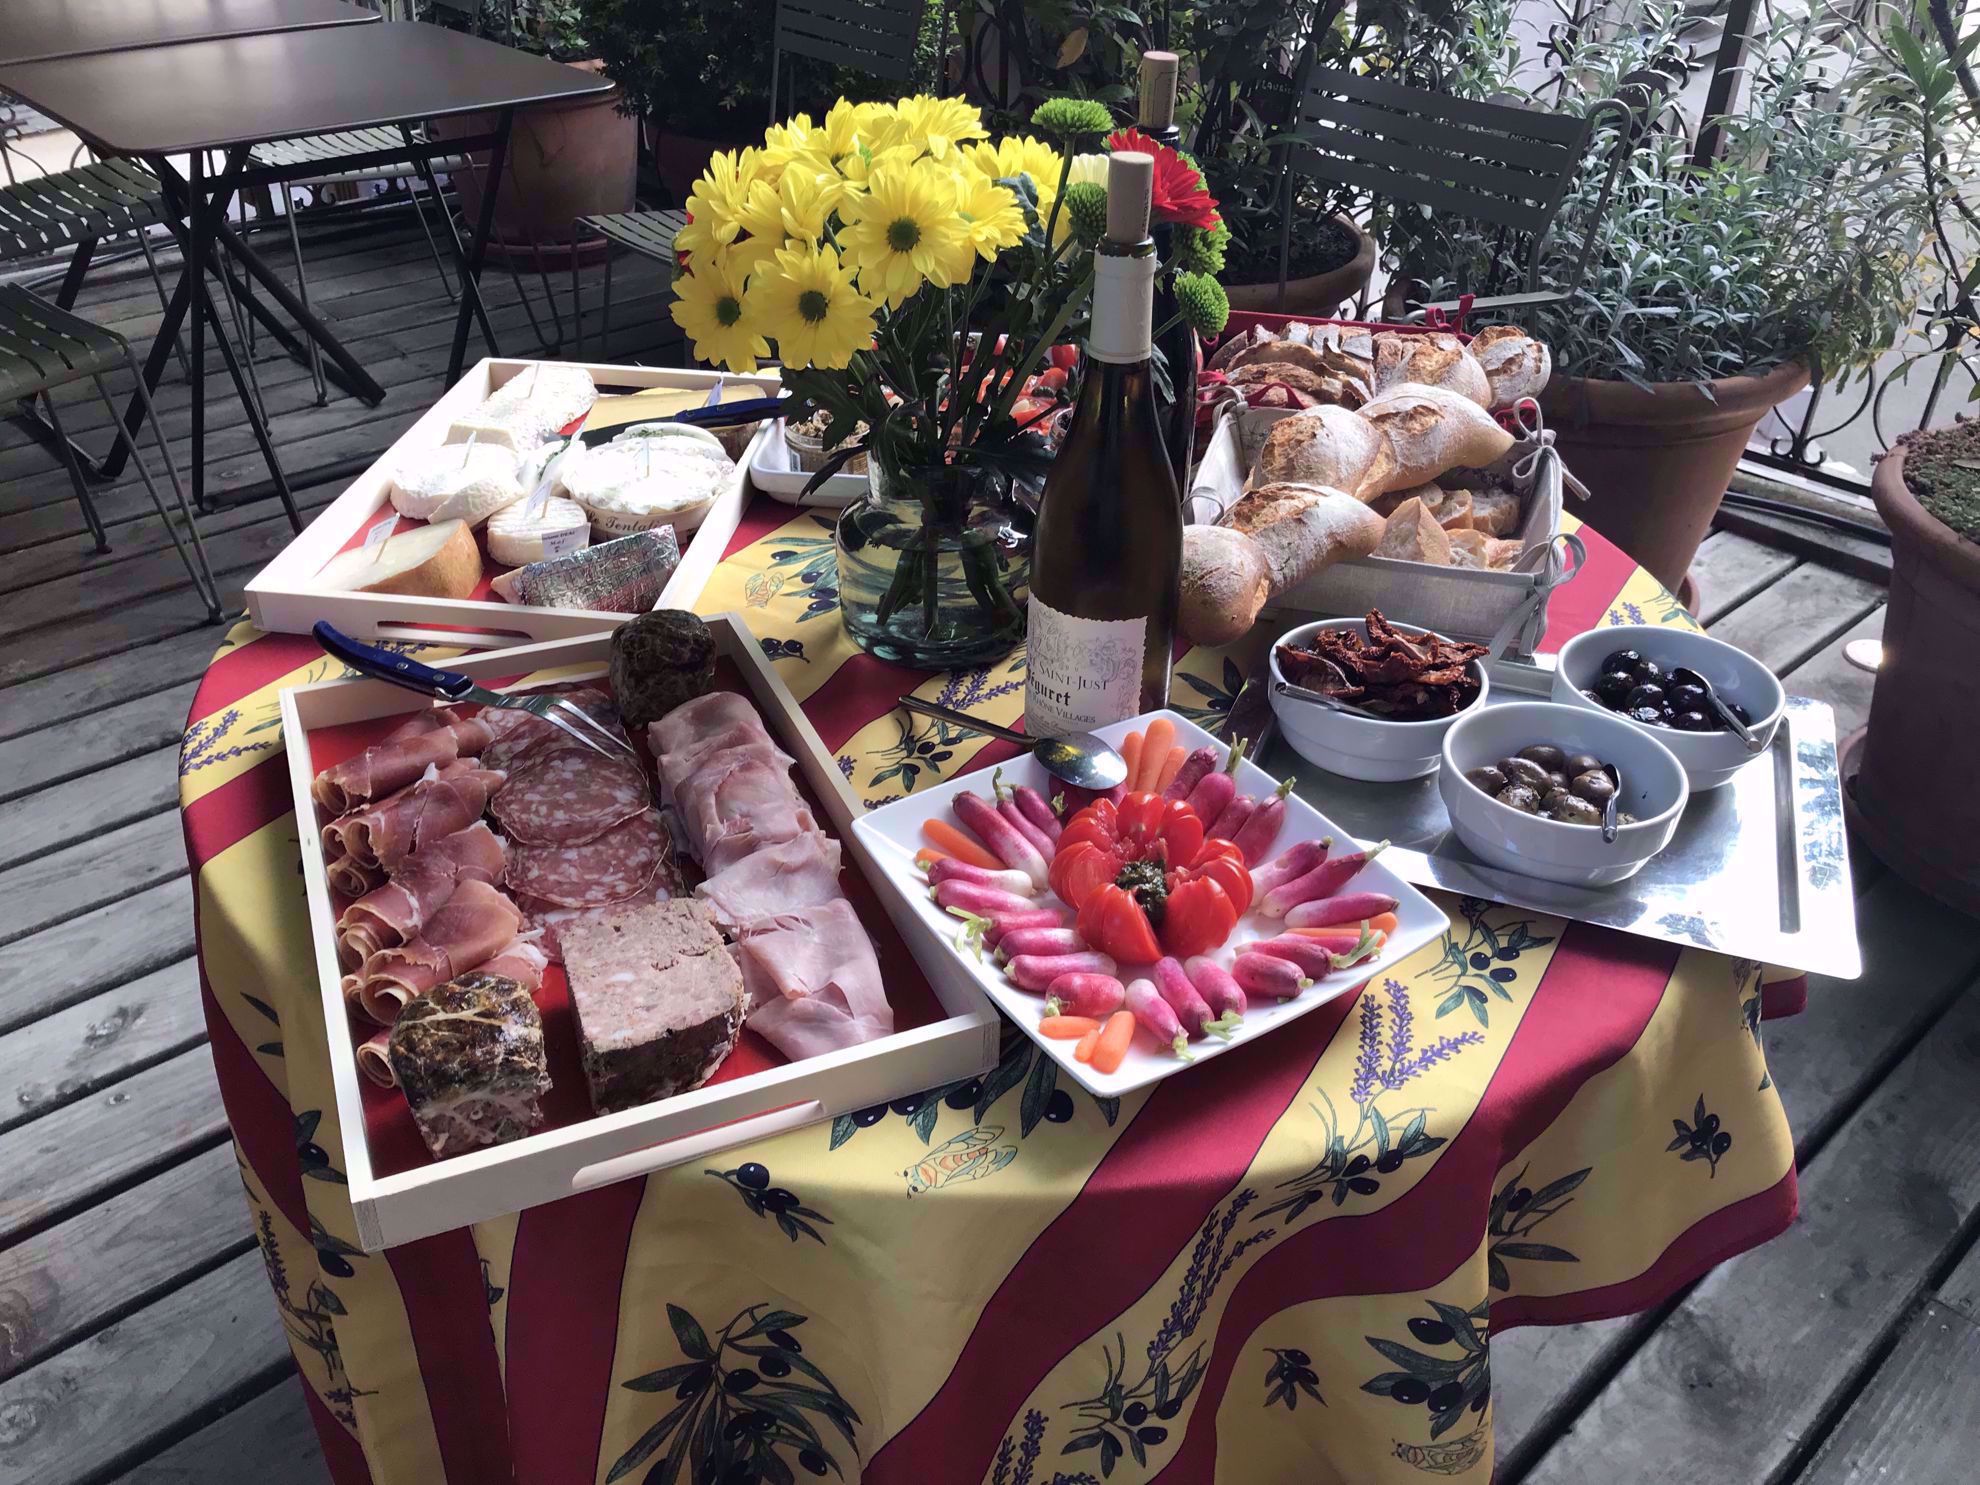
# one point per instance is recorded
(399, 1193)
(1758, 868)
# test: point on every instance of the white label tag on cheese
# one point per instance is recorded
(374, 539)
(570, 539)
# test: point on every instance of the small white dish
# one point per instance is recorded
(1361, 747)
(1709, 759)
(1654, 790)
(773, 471)
(892, 834)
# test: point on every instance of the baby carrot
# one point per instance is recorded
(1113, 1043)
(1131, 754)
(1170, 768)
(1067, 1028)
(1384, 923)
(1154, 754)
(927, 856)
(1084, 1051)
(945, 837)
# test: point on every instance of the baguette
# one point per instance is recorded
(1413, 535)
(1302, 528)
(1433, 359)
(1515, 363)
(1328, 446)
(1429, 430)
(438, 561)
(1225, 582)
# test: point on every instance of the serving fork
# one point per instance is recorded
(451, 685)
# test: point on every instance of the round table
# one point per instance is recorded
(1281, 1266)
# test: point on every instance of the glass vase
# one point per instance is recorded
(935, 566)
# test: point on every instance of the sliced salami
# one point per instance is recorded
(608, 868)
(520, 736)
(549, 918)
(567, 795)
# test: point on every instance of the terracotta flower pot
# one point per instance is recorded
(566, 160)
(1658, 460)
(1911, 804)
(1319, 294)
(679, 159)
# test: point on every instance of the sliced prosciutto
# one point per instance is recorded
(352, 880)
(395, 912)
(401, 758)
(800, 873)
(738, 800)
(522, 961)
(813, 981)
(373, 1059)
(474, 925)
(566, 795)
(386, 832)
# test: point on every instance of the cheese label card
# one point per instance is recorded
(374, 539)
(569, 539)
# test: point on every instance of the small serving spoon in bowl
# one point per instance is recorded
(1079, 758)
(1321, 698)
(1612, 805)
(1683, 675)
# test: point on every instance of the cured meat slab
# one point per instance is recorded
(469, 1056)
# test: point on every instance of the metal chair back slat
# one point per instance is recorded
(875, 36)
(1398, 185)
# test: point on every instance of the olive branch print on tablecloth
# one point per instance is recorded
(1482, 964)
(1386, 1059)
(1017, 1461)
(751, 1181)
(1746, 985)
(312, 1324)
(1447, 1387)
(1131, 1417)
(314, 1159)
(1701, 1139)
(1516, 1211)
(807, 560)
(1290, 1374)
(1213, 712)
(737, 1401)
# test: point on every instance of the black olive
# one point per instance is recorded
(1721, 1142)
(1503, 975)
(1390, 1163)
(1487, 778)
(1169, 1409)
(1745, 718)
(1593, 786)
(1408, 1391)
(1649, 716)
(1521, 797)
(334, 1264)
(752, 1175)
(1478, 1402)
(737, 1426)
(1446, 1397)
(907, 1107)
(1580, 763)
(740, 1380)
(1694, 721)
(1481, 961)
(1524, 771)
(739, 1473)
(1613, 686)
(783, 1340)
(1623, 660)
(1357, 1165)
(1136, 1414)
(1519, 1198)
(1645, 695)
(964, 1095)
(867, 1118)
(1686, 698)
(1151, 1434)
(1647, 671)
(812, 1460)
(1571, 809)
(1059, 1107)
(761, 1423)
(1710, 1124)
(1430, 1332)
(1546, 755)
(1593, 696)
(1296, 1356)
(780, 1200)
(774, 1366)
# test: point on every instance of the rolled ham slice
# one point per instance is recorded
(692, 726)
(522, 961)
(475, 924)
(372, 1060)
(388, 766)
(738, 801)
(813, 981)
(395, 912)
(386, 832)
(800, 873)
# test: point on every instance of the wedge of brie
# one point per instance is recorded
(457, 482)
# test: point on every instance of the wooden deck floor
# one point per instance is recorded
(1843, 1351)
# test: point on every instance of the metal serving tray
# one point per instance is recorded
(1758, 869)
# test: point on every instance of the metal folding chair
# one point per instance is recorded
(1484, 162)
(43, 347)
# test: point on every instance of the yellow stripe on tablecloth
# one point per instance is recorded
(772, 583)
(1359, 1091)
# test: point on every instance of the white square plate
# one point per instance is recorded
(893, 834)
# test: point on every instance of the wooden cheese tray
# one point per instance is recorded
(283, 597)
(399, 1193)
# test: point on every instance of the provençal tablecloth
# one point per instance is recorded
(1283, 1266)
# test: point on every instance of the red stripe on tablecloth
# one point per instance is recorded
(247, 668)
(565, 1274)
(263, 1124)
(763, 516)
(1597, 995)
(228, 815)
(1584, 603)
(1144, 1202)
(440, 1284)
(341, 1452)
(1784, 998)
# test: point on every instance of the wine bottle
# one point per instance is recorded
(1107, 556)
(1181, 354)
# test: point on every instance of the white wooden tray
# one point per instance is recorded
(893, 834)
(283, 596)
(436, 1195)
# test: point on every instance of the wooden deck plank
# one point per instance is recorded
(1798, 616)
(49, 818)
(97, 1406)
(1961, 1287)
(94, 744)
(176, 660)
(1918, 1421)
(68, 1158)
(59, 966)
(72, 1052)
(270, 1439)
(1730, 569)
(136, 627)
(1828, 677)
(71, 1279)
(63, 884)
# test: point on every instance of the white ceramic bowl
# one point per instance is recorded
(1360, 747)
(1709, 759)
(1654, 791)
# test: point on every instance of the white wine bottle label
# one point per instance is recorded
(1080, 673)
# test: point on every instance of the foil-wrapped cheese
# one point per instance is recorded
(621, 577)
(530, 408)
(529, 532)
(457, 482)
(641, 483)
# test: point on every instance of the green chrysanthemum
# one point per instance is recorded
(1198, 251)
(1204, 306)
(1070, 118)
(1085, 205)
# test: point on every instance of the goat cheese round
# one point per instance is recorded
(518, 536)
(643, 483)
(457, 482)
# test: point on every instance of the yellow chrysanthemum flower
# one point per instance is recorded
(904, 230)
(858, 167)
(797, 207)
(939, 125)
(810, 305)
(995, 221)
(716, 311)
(719, 200)
(1015, 155)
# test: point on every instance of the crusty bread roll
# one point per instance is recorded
(1515, 363)
(1413, 535)
(1429, 430)
(1235, 344)
(1434, 358)
(1225, 582)
(1451, 509)
(1495, 512)
(1328, 446)
(1320, 386)
(438, 561)
(1302, 528)
(1476, 549)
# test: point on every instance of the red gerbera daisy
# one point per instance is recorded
(1179, 194)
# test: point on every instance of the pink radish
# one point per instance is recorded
(1315, 957)
(950, 869)
(1349, 907)
(1294, 863)
(1234, 818)
(1007, 806)
(1261, 831)
(1000, 926)
(1037, 971)
(971, 898)
(1191, 1008)
(1340, 939)
(1085, 995)
(1269, 976)
(1014, 850)
(1156, 1017)
(1217, 788)
(1038, 811)
(1041, 941)
(1214, 983)
(1196, 767)
(1323, 881)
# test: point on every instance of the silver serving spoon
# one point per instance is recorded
(1612, 804)
(1321, 698)
(1080, 758)
(1685, 676)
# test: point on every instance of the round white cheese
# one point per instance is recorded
(686, 434)
(518, 536)
(456, 482)
(643, 483)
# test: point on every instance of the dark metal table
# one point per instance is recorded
(36, 30)
(228, 95)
